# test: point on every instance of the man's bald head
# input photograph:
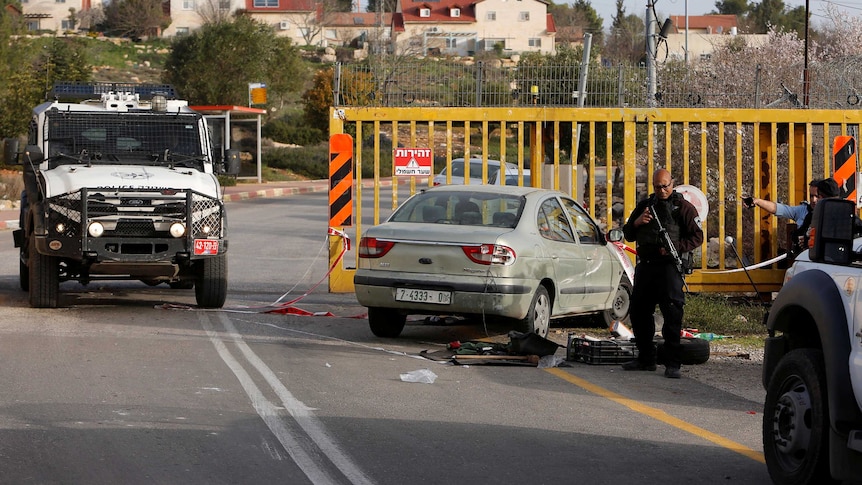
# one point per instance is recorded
(662, 183)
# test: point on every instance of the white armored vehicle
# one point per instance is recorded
(121, 184)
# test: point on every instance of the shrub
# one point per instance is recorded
(289, 131)
(313, 161)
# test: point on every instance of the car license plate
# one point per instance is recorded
(206, 246)
(423, 296)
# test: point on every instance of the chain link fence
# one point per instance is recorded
(406, 81)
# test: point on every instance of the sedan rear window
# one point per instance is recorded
(462, 208)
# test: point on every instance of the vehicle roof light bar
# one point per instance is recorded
(81, 91)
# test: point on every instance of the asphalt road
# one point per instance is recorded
(130, 384)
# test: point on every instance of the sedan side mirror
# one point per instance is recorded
(615, 235)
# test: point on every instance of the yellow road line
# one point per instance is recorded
(659, 415)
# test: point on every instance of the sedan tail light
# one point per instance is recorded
(490, 254)
(371, 247)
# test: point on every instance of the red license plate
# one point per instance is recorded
(206, 246)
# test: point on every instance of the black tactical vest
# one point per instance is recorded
(668, 213)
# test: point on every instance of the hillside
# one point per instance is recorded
(121, 60)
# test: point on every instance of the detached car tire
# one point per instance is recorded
(386, 322)
(694, 351)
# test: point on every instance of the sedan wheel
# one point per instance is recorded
(538, 319)
(621, 305)
(386, 322)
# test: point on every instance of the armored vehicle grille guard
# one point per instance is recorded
(135, 213)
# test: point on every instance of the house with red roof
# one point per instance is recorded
(465, 27)
(703, 35)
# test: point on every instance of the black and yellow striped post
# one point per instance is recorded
(340, 207)
(844, 166)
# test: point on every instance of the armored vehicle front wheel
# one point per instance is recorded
(211, 281)
(44, 278)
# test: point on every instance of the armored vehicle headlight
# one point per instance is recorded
(178, 229)
(206, 229)
(96, 229)
(60, 228)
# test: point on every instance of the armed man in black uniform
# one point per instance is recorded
(658, 274)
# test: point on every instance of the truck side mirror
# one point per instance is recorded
(10, 151)
(231, 162)
(32, 155)
(833, 224)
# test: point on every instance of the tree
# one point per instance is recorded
(572, 22)
(318, 100)
(388, 5)
(212, 11)
(88, 19)
(73, 19)
(20, 88)
(312, 22)
(731, 7)
(765, 14)
(626, 40)
(214, 64)
(136, 18)
(64, 59)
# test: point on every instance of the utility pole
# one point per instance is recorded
(806, 83)
(650, 53)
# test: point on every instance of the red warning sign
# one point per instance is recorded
(844, 166)
(412, 161)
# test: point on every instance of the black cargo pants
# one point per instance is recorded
(657, 283)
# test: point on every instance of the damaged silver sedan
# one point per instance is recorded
(523, 254)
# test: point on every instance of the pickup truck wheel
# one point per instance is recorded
(43, 279)
(23, 273)
(386, 322)
(211, 281)
(621, 305)
(538, 319)
(796, 420)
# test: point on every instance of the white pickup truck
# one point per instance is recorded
(812, 367)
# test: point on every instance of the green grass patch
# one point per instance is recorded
(724, 315)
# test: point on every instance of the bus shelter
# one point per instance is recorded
(220, 119)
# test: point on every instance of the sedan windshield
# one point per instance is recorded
(463, 208)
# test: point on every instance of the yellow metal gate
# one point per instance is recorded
(726, 153)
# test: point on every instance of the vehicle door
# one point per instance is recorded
(568, 263)
(600, 264)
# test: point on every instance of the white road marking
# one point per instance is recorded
(312, 427)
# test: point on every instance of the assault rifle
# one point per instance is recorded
(671, 249)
